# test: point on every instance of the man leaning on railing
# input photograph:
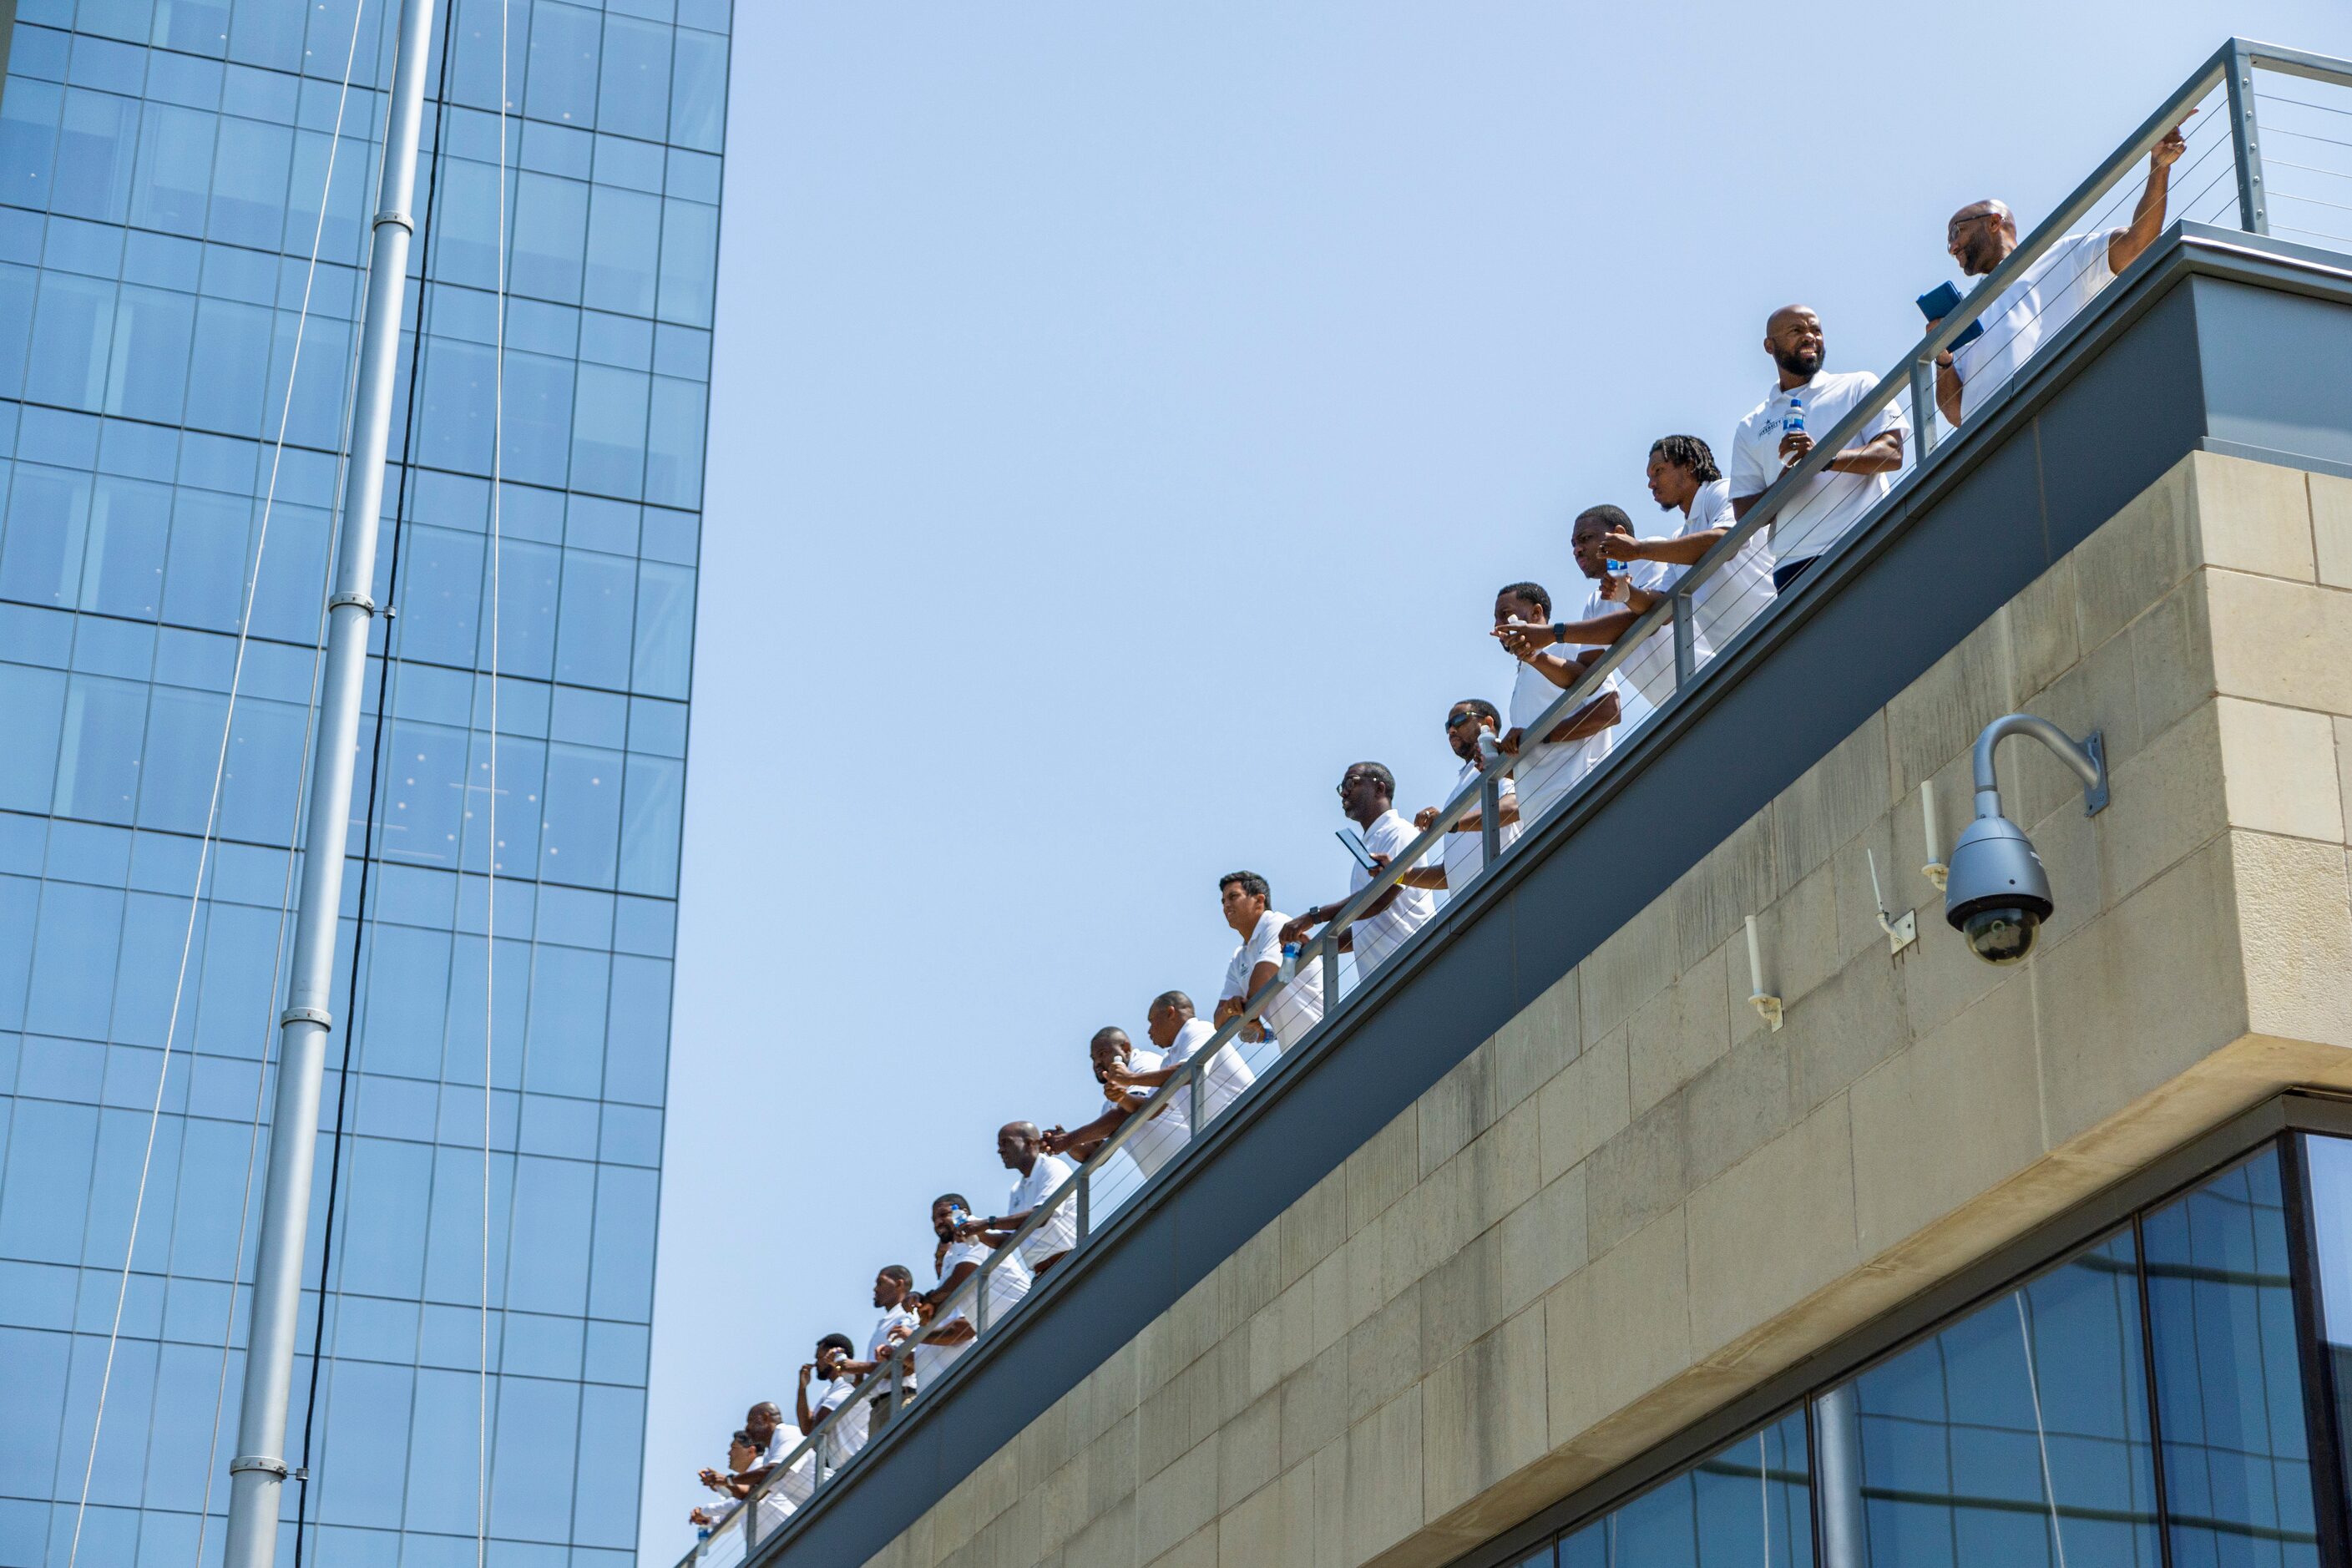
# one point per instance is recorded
(892, 1285)
(1778, 433)
(1037, 1174)
(1467, 723)
(1367, 798)
(1551, 764)
(1111, 1052)
(2060, 282)
(1687, 485)
(1246, 900)
(1179, 1036)
(958, 1260)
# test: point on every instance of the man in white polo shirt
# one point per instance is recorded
(892, 1286)
(1247, 904)
(1551, 765)
(1368, 799)
(1115, 1062)
(1037, 1174)
(1684, 480)
(1179, 1037)
(959, 1259)
(848, 1435)
(1465, 843)
(1805, 403)
(2058, 283)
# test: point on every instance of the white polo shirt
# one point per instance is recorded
(2068, 277)
(1298, 1005)
(1737, 592)
(799, 1479)
(878, 1342)
(1549, 770)
(1159, 1139)
(849, 1435)
(930, 1360)
(1466, 852)
(1221, 1081)
(1007, 1282)
(1377, 936)
(1834, 502)
(1059, 1233)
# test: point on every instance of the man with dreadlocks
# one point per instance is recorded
(1684, 480)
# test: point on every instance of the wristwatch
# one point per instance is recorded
(1559, 631)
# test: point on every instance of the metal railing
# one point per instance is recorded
(2220, 178)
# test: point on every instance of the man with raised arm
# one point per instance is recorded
(2063, 280)
(1368, 799)
(1247, 902)
(1805, 403)
(1465, 842)
(848, 1434)
(1036, 1176)
(1552, 764)
(1115, 1057)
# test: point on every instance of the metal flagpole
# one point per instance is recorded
(257, 1474)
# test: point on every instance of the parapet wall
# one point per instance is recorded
(1634, 1203)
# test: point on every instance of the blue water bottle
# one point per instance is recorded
(1288, 970)
(1793, 422)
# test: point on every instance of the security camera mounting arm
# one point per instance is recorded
(2089, 760)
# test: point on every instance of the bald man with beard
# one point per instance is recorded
(2049, 293)
(1805, 402)
(1037, 1175)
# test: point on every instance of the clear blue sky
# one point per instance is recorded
(1123, 416)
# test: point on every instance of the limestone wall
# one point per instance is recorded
(1635, 1202)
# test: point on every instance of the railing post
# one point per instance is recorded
(1686, 639)
(1330, 974)
(898, 1381)
(1923, 404)
(1192, 1095)
(749, 1510)
(980, 1299)
(1490, 819)
(2245, 136)
(1085, 1208)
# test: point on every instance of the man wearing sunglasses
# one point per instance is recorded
(1367, 798)
(2063, 280)
(1467, 723)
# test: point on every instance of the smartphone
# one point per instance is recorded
(1939, 302)
(1355, 847)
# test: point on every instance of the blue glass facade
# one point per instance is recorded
(2148, 1400)
(163, 169)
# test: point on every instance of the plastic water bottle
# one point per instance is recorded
(1793, 423)
(1289, 968)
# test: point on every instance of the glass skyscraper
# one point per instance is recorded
(163, 168)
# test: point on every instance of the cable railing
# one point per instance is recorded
(2219, 175)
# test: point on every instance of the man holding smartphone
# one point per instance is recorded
(1368, 799)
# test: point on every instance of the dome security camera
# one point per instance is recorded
(1996, 894)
